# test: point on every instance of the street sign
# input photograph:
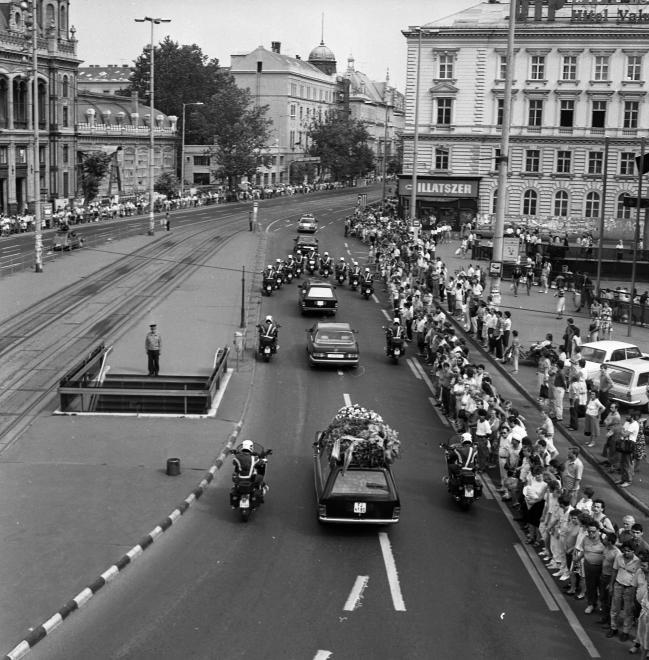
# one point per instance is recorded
(495, 269)
(632, 202)
(416, 223)
(510, 249)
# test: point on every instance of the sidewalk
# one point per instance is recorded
(79, 492)
(534, 316)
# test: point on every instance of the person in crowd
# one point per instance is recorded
(625, 566)
(153, 348)
(627, 447)
(594, 411)
(572, 474)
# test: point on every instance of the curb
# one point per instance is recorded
(76, 603)
(629, 497)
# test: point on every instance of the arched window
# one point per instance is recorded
(530, 199)
(494, 200)
(621, 210)
(591, 209)
(42, 104)
(63, 20)
(561, 203)
(4, 115)
(50, 17)
(20, 102)
(65, 87)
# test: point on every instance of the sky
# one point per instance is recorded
(368, 30)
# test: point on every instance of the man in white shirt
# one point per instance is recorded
(630, 431)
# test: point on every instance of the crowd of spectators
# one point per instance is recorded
(601, 563)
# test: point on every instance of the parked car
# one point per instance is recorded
(332, 343)
(597, 352)
(630, 383)
(67, 240)
(305, 245)
(317, 296)
(354, 494)
(307, 223)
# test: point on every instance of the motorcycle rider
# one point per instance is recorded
(460, 455)
(368, 279)
(395, 331)
(269, 330)
(248, 464)
(299, 261)
(356, 269)
(269, 272)
(325, 262)
(341, 268)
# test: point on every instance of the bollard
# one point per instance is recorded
(173, 467)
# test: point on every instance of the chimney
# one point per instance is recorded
(276, 46)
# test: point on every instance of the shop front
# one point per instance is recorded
(441, 200)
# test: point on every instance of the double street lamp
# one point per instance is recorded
(153, 21)
(182, 149)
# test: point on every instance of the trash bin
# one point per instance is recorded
(173, 467)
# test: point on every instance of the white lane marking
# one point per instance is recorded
(442, 419)
(387, 316)
(415, 373)
(322, 655)
(429, 384)
(347, 399)
(375, 299)
(391, 570)
(545, 594)
(552, 587)
(355, 595)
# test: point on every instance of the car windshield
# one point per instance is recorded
(334, 336)
(621, 377)
(591, 354)
(360, 482)
(320, 292)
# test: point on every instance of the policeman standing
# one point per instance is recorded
(153, 346)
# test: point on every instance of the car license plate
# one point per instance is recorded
(468, 491)
(360, 507)
(244, 502)
(319, 303)
(333, 356)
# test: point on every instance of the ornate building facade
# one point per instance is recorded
(579, 113)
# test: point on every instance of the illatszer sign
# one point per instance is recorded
(441, 188)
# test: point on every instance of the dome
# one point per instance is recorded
(321, 54)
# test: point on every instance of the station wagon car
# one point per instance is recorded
(332, 343)
(67, 240)
(307, 223)
(360, 495)
(318, 296)
(630, 383)
(597, 352)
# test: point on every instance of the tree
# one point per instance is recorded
(94, 167)
(166, 184)
(342, 145)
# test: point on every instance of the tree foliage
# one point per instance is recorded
(342, 145)
(166, 184)
(94, 167)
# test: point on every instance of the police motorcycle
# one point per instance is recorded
(462, 481)
(268, 281)
(298, 266)
(325, 265)
(354, 277)
(267, 344)
(395, 341)
(340, 271)
(288, 270)
(367, 285)
(311, 262)
(279, 274)
(248, 489)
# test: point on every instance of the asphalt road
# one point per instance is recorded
(282, 586)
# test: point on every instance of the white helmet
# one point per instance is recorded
(397, 321)
(269, 318)
(279, 261)
(270, 266)
(247, 445)
(466, 437)
(342, 258)
(355, 262)
(367, 270)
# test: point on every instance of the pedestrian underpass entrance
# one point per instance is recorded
(91, 388)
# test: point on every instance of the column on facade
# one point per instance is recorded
(10, 102)
(11, 181)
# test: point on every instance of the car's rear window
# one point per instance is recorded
(360, 482)
(633, 352)
(591, 354)
(334, 337)
(320, 292)
(621, 377)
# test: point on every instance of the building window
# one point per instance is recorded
(536, 113)
(446, 67)
(21, 154)
(627, 163)
(494, 201)
(500, 108)
(441, 158)
(66, 184)
(538, 67)
(630, 114)
(634, 67)
(293, 89)
(561, 203)
(301, 91)
(496, 158)
(566, 113)
(64, 87)
(595, 162)
(591, 209)
(530, 199)
(66, 154)
(301, 113)
(444, 112)
(563, 162)
(502, 67)
(601, 68)
(291, 139)
(622, 210)
(598, 119)
(292, 110)
(569, 67)
(532, 160)
(4, 155)
(66, 117)
(202, 161)
(42, 151)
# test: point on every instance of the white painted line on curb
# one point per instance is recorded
(414, 370)
(387, 316)
(355, 595)
(391, 570)
(347, 399)
(545, 594)
(322, 655)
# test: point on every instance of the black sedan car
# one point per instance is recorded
(332, 343)
(361, 495)
(317, 296)
(305, 245)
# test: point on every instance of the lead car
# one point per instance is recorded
(352, 469)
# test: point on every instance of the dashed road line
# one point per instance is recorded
(391, 570)
(356, 594)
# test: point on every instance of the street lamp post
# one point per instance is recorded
(602, 215)
(415, 140)
(36, 176)
(385, 146)
(182, 149)
(153, 21)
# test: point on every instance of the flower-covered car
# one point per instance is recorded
(352, 461)
(332, 343)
